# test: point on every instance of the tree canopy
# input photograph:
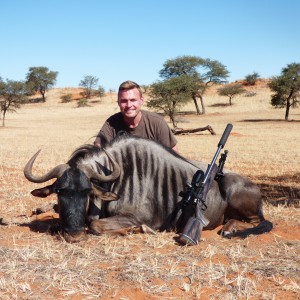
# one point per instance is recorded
(40, 79)
(89, 83)
(12, 95)
(231, 90)
(170, 94)
(203, 71)
(286, 88)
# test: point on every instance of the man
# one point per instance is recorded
(134, 120)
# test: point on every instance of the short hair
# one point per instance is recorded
(129, 85)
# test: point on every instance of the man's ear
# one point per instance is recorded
(104, 194)
(43, 192)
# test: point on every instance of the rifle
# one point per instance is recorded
(195, 196)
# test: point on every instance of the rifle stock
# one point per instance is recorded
(192, 231)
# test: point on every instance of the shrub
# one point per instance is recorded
(250, 94)
(251, 78)
(66, 98)
(82, 103)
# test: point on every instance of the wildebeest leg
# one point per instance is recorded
(118, 225)
(243, 215)
(243, 212)
(235, 225)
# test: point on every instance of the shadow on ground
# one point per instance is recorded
(277, 192)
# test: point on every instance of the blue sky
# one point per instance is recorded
(117, 40)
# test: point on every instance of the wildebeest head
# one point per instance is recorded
(73, 188)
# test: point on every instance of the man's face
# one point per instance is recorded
(130, 102)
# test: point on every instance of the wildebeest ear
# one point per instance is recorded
(43, 192)
(104, 194)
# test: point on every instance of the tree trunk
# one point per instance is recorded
(287, 111)
(288, 105)
(43, 96)
(202, 104)
(172, 119)
(3, 119)
(196, 105)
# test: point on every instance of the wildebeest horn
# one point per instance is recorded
(54, 173)
(103, 178)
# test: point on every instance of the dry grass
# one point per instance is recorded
(36, 265)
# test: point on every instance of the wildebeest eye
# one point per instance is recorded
(64, 192)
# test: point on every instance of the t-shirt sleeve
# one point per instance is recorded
(166, 136)
(106, 134)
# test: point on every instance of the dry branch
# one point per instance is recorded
(185, 131)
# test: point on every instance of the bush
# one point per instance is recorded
(66, 98)
(251, 78)
(82, 103)
(250, 94)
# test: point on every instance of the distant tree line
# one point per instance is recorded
(38, 81)
(183, 79)
(187, 78)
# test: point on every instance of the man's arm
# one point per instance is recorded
(105, 135)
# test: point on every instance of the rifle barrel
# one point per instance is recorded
(221, 145)
(225, 135)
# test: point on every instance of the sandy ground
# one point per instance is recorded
(38, 265)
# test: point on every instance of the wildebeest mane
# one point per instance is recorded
(81, 152)
(89, 149)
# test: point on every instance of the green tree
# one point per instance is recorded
(286, 88)
(41, 79)
(231, 90)
(89, 83)
(171, 94)
(251, 79)
(101, 91)
(12, 95)
(145, 88)
(204, 71)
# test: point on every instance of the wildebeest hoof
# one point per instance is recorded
(225, 234)
(74, 237)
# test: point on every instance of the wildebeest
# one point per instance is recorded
(138, 182)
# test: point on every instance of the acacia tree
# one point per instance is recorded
(204, 72)
(231, 90)
(40, 79)
(89, 83)
(171, 94)
(286, 88)
(12, 95)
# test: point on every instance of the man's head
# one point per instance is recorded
(129, 85)
(130, 99)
